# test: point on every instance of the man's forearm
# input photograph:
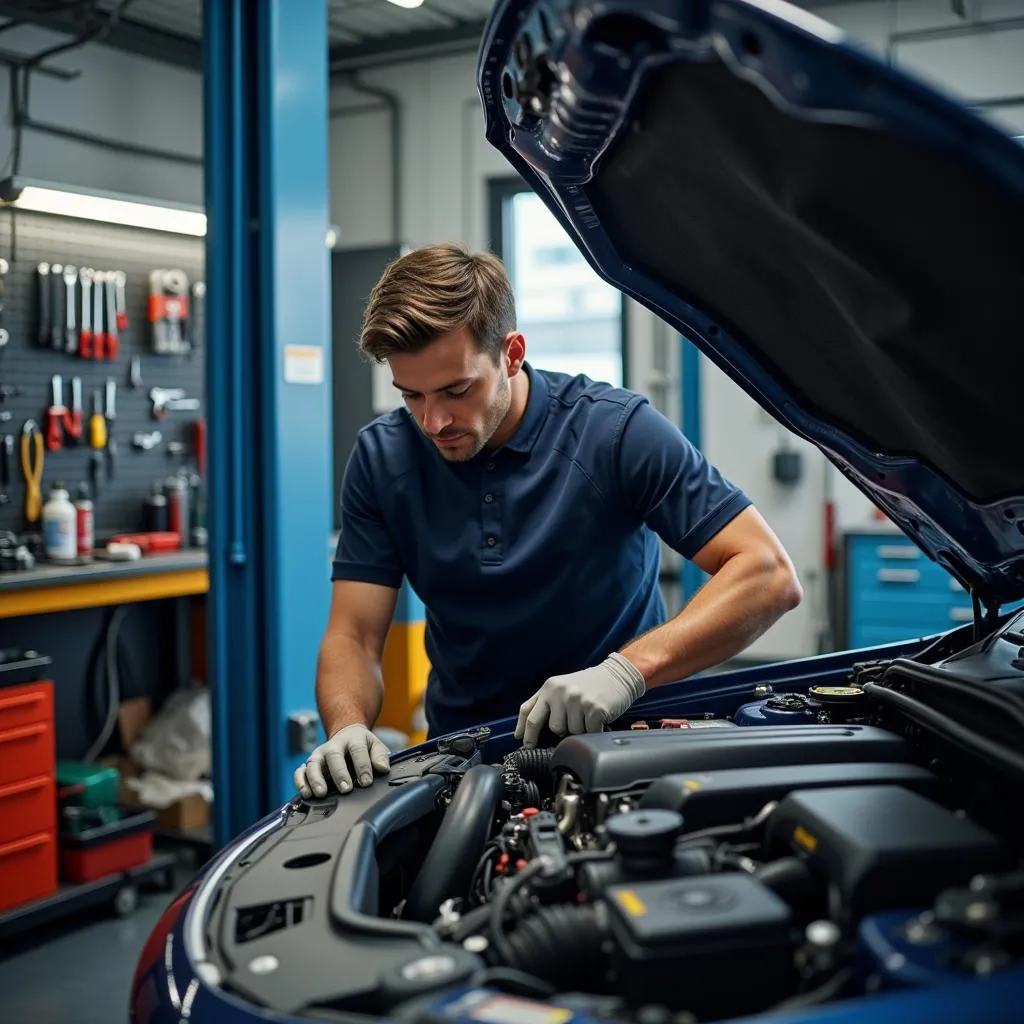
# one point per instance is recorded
(349, 688)
(737, 605)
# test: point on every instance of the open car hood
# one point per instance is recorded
(844, 242)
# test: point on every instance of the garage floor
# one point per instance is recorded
(97, 953)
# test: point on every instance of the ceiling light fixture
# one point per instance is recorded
(41, 197)
(407, 4)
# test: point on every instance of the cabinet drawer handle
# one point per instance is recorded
(898, 576)
(21, 845)
(898, 551)
(961, 615)
(21, 734)
(9, 703)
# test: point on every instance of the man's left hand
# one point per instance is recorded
(582, 701)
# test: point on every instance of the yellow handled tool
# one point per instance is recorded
(33, 470)
(97, 423)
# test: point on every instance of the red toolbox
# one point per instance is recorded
(28, 869)
(28, 801)
(27, 808)
(107, 849)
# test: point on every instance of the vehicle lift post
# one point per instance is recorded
(266, 89)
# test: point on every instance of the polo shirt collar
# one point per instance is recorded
(533, 418)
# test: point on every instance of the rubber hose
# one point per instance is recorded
(534, 763)
(531, 794)
(448, 867)
(561, 944)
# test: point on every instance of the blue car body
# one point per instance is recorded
(674, 140)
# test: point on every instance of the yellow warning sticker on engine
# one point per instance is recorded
(631, 903)
(804, 838)
(512, 1010)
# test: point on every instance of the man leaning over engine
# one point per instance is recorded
(526, 509)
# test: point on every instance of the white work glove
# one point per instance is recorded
(355, 744)
(581, 701)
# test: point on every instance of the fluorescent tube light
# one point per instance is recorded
(110, 209)
(407, 4)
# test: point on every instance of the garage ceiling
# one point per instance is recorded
(360, 31)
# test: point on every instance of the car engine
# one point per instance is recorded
(824, 843)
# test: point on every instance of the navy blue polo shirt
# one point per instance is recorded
(539, 558)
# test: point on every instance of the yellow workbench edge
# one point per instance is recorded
(66, 597)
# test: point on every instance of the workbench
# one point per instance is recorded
(70, 602)
(57, 588)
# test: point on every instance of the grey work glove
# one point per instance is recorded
(355, 744)
(581, 701)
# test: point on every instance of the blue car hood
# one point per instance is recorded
(844, 242)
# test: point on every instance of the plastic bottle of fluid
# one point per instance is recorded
(60, 526)
(84, 530)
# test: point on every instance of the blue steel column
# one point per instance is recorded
(295, 311)
(269, 487)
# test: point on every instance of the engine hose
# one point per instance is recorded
(534, 763)
(531, 794)
(467, 825)
(561, 944)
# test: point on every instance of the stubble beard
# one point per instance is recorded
(495, 415)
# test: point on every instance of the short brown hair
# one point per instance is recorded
(434, 291)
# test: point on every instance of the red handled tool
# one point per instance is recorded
(85, 341)
(56, 415)
(150, 542)
(111, 337)
(73, 416)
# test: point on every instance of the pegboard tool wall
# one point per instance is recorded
(24, 362)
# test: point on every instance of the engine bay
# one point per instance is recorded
(828, 842)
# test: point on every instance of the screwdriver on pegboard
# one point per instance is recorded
(97, 439)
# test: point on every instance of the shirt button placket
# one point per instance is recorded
(491, 520)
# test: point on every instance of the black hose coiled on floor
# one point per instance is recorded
(534, 764)
(561, 944)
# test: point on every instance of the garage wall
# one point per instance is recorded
(117, 96)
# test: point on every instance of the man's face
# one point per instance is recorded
(458, 395)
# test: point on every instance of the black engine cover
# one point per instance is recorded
(882, 847)
(618, 761)
(685, 942)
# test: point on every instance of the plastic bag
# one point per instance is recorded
(176, 742)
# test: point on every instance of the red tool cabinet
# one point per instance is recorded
(28, 802)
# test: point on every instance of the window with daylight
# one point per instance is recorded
(573, 320)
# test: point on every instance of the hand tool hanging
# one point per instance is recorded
(73, 418)
(57, 306)
(121, 279)
(98, 337)
(32, 467)
(97, 441)
(111, 336)
(56, 415)
(85, 348)
(70, 297)
(4, 333)
(43, 279)
(111, 416)
(6, 467)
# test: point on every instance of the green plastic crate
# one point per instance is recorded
(98, 784)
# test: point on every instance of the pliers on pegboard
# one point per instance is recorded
(32, 467)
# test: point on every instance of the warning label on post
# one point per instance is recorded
(303, 364)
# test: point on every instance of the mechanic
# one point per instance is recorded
(525, 509)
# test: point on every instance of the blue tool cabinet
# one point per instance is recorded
(892, 591)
